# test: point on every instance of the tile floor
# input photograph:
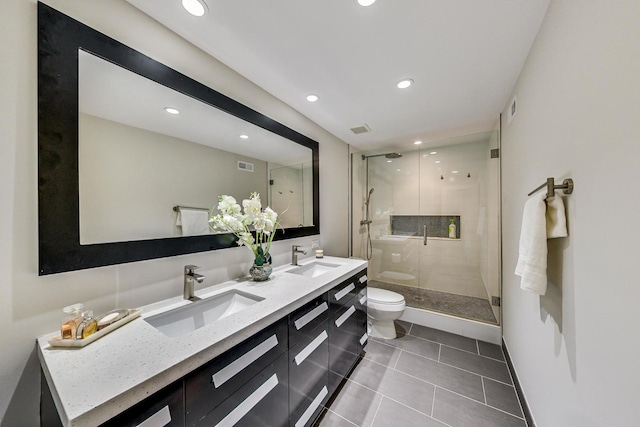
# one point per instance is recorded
(427, 378)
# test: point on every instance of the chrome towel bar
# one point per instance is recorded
(566, 187)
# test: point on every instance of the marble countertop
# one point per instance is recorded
(92, 384)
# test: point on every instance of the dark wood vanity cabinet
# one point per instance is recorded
(281, 376)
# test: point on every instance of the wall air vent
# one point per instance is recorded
(361, 129)
(245, 166)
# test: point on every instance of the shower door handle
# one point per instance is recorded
(425, 236)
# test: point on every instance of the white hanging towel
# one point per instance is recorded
(556, 218)
(193, 221)
(541, 220)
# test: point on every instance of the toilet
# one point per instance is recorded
(383, 307)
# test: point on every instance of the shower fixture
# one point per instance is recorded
(367, 221)
(387, 155)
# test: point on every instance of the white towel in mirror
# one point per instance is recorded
(193, 221)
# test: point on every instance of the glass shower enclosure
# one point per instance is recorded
(427, 219)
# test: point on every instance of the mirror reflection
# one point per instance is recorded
(145, 148)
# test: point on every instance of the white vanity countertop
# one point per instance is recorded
(92, 384)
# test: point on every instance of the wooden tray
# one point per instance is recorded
(57, 341)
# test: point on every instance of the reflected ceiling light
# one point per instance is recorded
(433, 152)
(454, 171)
(397, 170)
(194, 7)
(418, 142)
(437, 161)
(312, 98)
(244, 136)
(366, 2)
(389, 161)
(172, 110)
(403, 84)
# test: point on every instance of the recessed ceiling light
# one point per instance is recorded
(437, 161)
(312, 98)
(194, 7)
(418, 142)
(433, 152)
(244, 136)
(403, 84)
(389, 161)
(171, 110)
(366, 2)
(454, 171)
(397, 170)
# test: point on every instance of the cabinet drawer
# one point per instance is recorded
(339, 295)
(343, 339)
(164, 408)
(361, 280)
(308, 365)
(361, 319)
(304, 321)
(210, 385)
(262, 402)
(312, 405)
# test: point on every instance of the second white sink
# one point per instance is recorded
(182, 320)
(314, 269)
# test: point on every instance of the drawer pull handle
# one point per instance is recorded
(311, 347)
(364, 338)
(233, 368)
(312, 408)
(159, 419)
(363, 300)
(340, 320)
(363, 279)
(304, 320)
(247, 405)
(344, 291)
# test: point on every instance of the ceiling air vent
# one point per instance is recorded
(245, 166)
(361, 129)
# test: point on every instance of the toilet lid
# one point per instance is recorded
(383, 296)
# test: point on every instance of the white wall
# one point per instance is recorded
(30, 305)
(576, 348)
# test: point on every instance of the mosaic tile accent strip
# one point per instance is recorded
(413, 225)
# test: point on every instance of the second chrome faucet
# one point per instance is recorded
(190, 278)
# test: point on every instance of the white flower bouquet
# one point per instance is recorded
(231, 220)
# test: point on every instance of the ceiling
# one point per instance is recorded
(463, 55)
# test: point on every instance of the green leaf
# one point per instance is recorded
(259, 261)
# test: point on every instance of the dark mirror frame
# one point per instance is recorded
(59, 38)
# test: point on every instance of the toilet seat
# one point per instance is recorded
(384, 297)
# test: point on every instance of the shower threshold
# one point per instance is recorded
(463, 306)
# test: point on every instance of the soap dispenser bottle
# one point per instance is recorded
(69, 326)
(452, 229)
(88, 326)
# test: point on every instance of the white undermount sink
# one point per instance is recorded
(314, 269)
(182, 320)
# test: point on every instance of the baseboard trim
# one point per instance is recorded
(523, 402)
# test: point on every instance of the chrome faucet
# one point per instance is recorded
(295, 250)
(190, 277)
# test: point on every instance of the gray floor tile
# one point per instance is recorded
(394, 414)
(490, 350)
(356, 404)
(502, 396)
(442, 337)
(480, 365)
(458, 411)
(407, 390)
(415, 345)
(381, 353)
(442, 375)
(331, 419)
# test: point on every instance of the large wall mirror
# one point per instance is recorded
(126, 143)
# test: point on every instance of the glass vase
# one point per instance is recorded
(260, 273)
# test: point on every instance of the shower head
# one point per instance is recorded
(368, 197)
(370, 191)
(387, 155)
